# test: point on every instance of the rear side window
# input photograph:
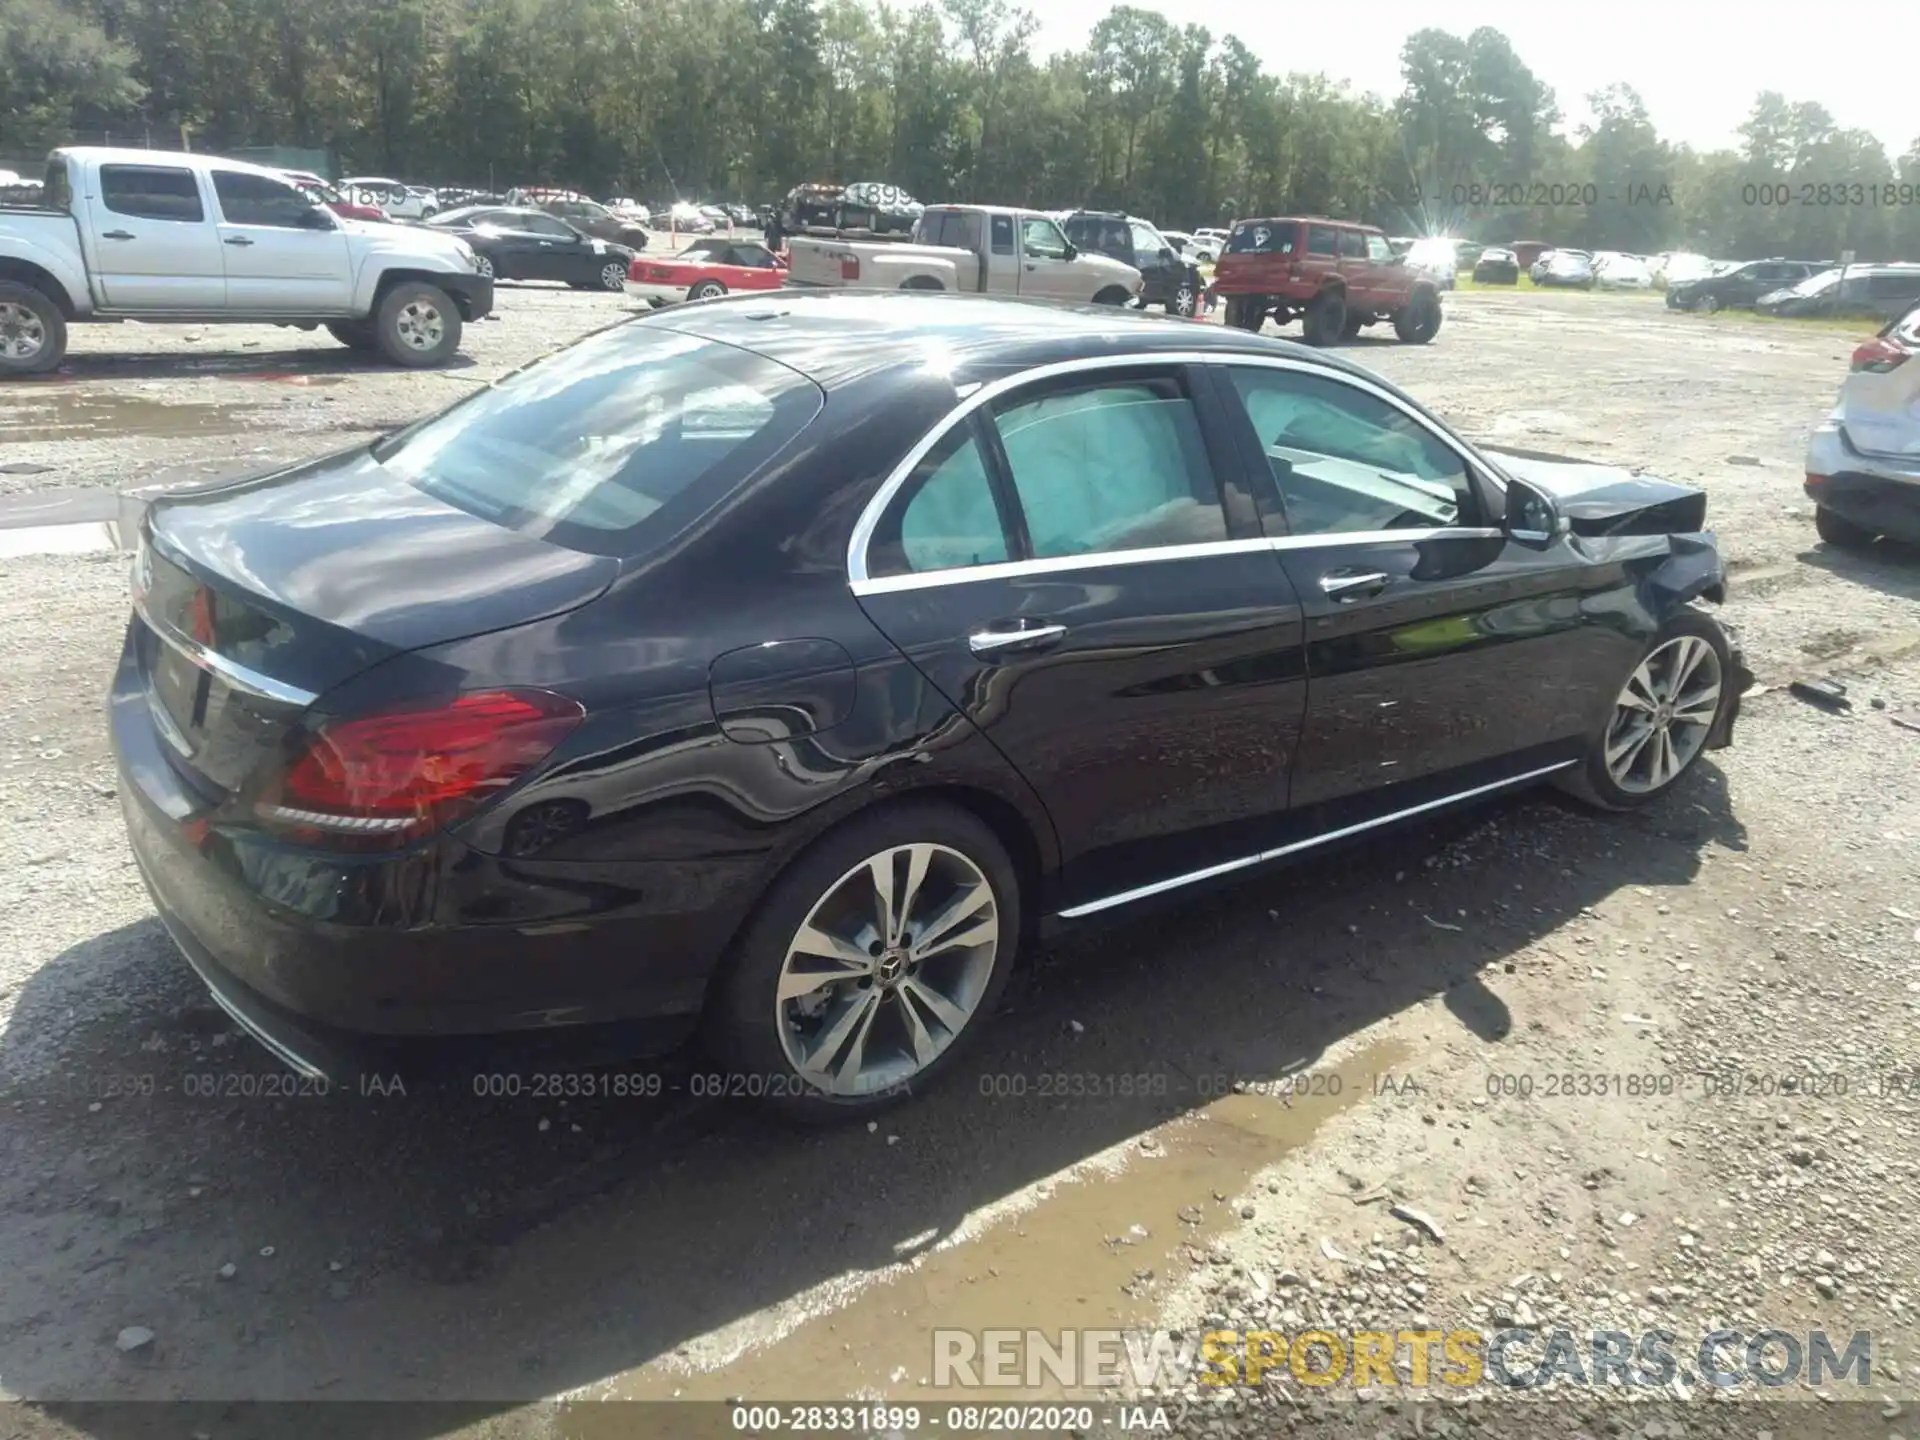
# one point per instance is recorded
(1003, 234)
(1262, 237)
(151, 192)
(1323, 240)
(612, 446)
(1115, 466)
(257, 200)
(1353, 245)
(57, 190)
(946, 517)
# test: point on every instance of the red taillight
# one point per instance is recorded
(388, 778)
(1880, 355)
(849, 267)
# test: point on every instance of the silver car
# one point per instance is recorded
(1863, 463)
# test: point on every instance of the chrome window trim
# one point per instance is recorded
(1100, 559)
(1226, 867)
(984, 394)
(241, 677)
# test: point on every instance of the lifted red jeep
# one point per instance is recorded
(1332, 275)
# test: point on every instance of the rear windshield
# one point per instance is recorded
(1262, 237)
(612, 446)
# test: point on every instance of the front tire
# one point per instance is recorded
(1185, 300)
(1707, 304)
(354, 334)
(1668, 708)
(1326, 317)
(417, 325)
(1419, 319)
(873, 961)
(1112, 295)
(33, 332)
(1840, 532)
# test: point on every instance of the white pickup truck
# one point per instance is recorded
(984, 249)
(159, 237)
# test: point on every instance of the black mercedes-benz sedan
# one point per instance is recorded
(518, 243)
(783, 667)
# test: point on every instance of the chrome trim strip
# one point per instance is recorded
(1161, 886)
(241, 677)
(1063, 564)
(985, 394)
(295, 1062)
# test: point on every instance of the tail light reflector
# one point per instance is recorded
(1880, 355)
(381, 780)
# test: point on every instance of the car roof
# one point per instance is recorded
(116, 155)
(838, 338)
(1313, 219)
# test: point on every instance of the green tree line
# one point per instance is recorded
(741, 99)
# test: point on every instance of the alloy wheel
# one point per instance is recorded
(1664, 713)
(21, 332)
(483, 266)
(419, 325)
(887, 969)
(1183, 300)
(613, 276)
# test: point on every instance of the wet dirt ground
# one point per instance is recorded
(1093, 1165)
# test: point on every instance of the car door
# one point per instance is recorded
(1060, 565)
(1045, 271)
(1154, 258)
(1441, 654)
(1387, 277)
(153, 242)
(545, 248)
(1356, 270)
(284, 255)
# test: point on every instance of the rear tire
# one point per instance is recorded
(354, 334)
(1646, 775)
(707, 290)
(33, 332)
(1326, 317)
(1419, 319)
(417, 325)
(1840, 532)
(754, 1032)
(613, 276)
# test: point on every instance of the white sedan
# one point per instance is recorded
(1615, 271)
(398, 201)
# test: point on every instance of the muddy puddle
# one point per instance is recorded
(1068, 1255)
(70, 415)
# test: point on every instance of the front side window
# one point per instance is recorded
(1378, 251)
(1347, 461)
(1114, 466)
(1353, 245)
(247, 199)
(1041, 238)
(151, 192)
(611, 446)
(945, 516)
(1146, 243)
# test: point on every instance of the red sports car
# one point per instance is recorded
(706, 268)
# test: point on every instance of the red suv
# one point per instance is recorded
(1334, 276)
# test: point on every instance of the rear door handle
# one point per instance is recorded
(1023, 641)
(238, 240)
(1349, 585)
(116, 235)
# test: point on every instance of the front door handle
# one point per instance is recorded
(116, 235)
(238, 240)
(1023, 641)
(1032, 266)
(1349, 585)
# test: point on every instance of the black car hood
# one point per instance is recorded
(1605, 499)
(343, 541)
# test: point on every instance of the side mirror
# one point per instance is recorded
(1167, 256)
(317, 218)
(1532, 517)
(1072, 252)
(1396, 259)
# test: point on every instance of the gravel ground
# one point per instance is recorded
(1750, 944)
